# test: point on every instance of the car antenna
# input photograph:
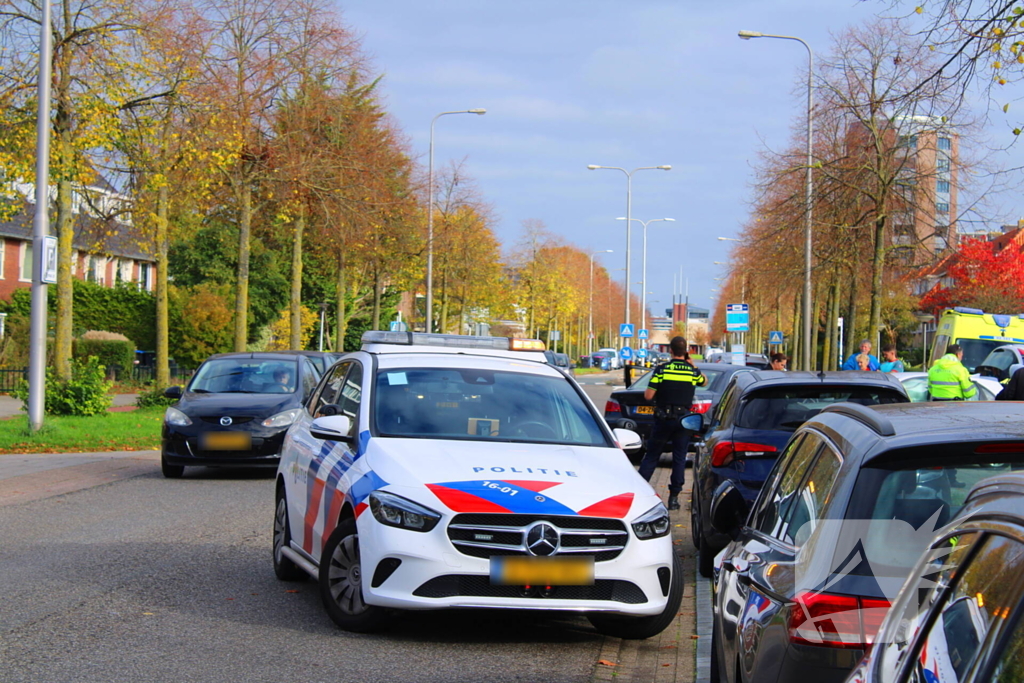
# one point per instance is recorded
(821, 373)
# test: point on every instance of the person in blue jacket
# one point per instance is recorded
(865, 348)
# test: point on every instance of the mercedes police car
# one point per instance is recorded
(435, 471)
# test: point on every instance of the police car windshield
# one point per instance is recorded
(482, 405)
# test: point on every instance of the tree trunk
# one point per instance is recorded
(830, 314)
(295, 305)
(375, 324)
(798, 359)
(341, 320)
(163, 369)
(877, 267)
(242, 285)
(851, 319)
(444, 303)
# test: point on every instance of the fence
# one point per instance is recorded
(9, 378)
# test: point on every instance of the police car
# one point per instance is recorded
(438, 471)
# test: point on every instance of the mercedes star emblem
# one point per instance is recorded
(225, 421)
(542, 539)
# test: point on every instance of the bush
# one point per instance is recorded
(110, 348)
(153, 397)
(84, 394)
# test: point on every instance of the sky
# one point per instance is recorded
(625, 83)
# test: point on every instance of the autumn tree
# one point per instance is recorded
(983, 276)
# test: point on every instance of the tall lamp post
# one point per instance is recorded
(430, 215)
(747, 35)
(643, 275)
(590, 324)
(629, 213)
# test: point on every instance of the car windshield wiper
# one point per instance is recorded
(237, 391)
(200, 391)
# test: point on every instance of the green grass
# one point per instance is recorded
(138, 430)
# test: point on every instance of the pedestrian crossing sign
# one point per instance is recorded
(641, 334)
(776, 337)
(626, 330)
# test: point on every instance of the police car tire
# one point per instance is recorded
(341, 587)
(284, 569)
(638, 628)
(170, 471)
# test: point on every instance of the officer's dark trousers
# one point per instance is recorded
(667, 431)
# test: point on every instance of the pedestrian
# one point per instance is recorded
(777, 361)
(865, 348)
(890, 363)
(864, 362)
(671, 387)
(1013, 388)
(948, 379)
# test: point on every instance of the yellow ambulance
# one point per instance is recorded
(976, 332)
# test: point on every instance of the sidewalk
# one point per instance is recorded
(681, 653)
(11, 407)
(66, 472)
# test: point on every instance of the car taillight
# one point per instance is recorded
(701, 406)
(612, 406)
(841, 621)
(725, 452)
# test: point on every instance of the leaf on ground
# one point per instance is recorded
(292, 590)
(694, 637)
(605, 662)
(666, 665)
(148, 614)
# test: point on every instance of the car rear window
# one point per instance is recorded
(786, 408)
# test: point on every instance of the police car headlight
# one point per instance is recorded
(392, 510)
(282, 419)
(175, 417)
(652, 524)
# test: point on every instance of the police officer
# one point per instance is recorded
(948, 379)
(671, 388)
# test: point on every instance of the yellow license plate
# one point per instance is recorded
(542, 571)
(645, 410)
(226, 441)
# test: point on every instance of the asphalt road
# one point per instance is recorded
(147, 579)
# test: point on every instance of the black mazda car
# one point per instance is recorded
(235, 411)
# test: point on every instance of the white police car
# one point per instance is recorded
(435, 471)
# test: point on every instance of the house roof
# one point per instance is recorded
(92, 235)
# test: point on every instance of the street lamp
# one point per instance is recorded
(629, 212)
(590, 324)
(728, 239)
(643, 276)
(430, 215)
(747, 35)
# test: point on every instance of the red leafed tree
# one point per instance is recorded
(982, 278)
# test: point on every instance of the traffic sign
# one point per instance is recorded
(737, 318)
(641, 353)
(398, 326)
(625, 353)
(641, 334)
(776, 337)
(626, 330)
(739, 354)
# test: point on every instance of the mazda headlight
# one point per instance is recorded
(282, 419)
(175, 417)
(392, 510)
(652, 524)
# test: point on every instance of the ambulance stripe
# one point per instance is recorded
(616, 507)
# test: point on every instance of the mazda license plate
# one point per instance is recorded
(645, 410)
(226, 441)
(542, 571)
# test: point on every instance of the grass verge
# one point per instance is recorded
(138, 430)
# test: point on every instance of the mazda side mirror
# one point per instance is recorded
(173, 392)
(332, 428)
(728, 509)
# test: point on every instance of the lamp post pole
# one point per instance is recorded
(808, 361)
(590, 325)
(629, 211)
(430, 215)
(643, 275)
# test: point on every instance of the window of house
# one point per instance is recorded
(145, 276)
(3, 256)
(942, 186)
(945, 143)
(942, 207)
(25, 272)
(124, 270)
(101, 270)
(74, 262)
(942, 164)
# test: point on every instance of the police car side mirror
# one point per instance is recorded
(332, 428)
(629, 440)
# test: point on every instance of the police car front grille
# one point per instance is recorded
(486, 535)
(470, 585)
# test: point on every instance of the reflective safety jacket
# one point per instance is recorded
(948, 378)
(675, 382)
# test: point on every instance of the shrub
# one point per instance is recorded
(153, 397)
(109, 347)
(84, 394)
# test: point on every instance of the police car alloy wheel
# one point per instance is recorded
(341, 583)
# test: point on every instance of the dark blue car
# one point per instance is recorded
(751, 425)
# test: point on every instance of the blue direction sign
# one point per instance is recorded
(625, 353)
(626, 330)
(776, 337)
(737, 318)
(641, 353)
(398, 326)
(641, 334)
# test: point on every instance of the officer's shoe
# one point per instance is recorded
(673, 501)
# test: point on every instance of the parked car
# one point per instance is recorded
(606, 359)
(558, 360)
(235, 411)
(756, 416)
(444, 471)
(757, 361)
(849, 508)
(628, 409)
(916, 385)
(1002, 362)
(958, 616)
(321, 359)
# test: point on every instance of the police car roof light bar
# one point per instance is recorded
(458, 341)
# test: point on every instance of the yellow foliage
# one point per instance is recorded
(281, 329)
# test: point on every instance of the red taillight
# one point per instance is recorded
(1000, 448)
(612, 406)
(725, 452)
(841, 621)
(701, 406)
